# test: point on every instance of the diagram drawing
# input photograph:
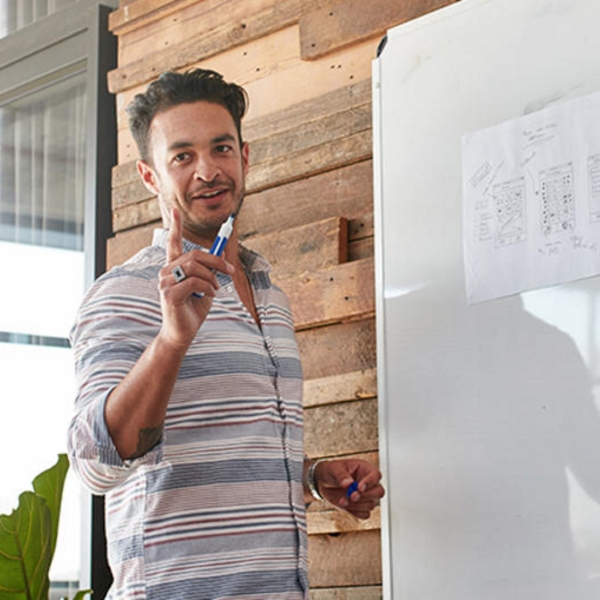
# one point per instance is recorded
(509, 210)
(594, 187)
(557, 200)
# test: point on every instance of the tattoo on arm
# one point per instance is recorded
(147, 439)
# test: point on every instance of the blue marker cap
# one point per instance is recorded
(353, 487)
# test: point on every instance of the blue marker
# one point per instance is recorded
(220, 241)
(353, 487)
(222, 237)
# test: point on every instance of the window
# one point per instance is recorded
(16, 14)
(54, 218)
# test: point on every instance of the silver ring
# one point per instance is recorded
(178, 273)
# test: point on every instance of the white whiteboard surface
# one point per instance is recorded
(490, 427)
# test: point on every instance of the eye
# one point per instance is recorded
(181, 157)
(223, 148)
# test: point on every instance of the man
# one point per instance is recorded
(189, 413)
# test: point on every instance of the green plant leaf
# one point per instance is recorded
(28, 537)
(11, 569)
(24, 549)
(49, 485)
(81, 594)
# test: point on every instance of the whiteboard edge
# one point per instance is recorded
(386, 548)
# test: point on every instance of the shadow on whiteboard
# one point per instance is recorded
(493, 414)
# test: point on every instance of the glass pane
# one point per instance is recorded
(42, 167)
(16, 14)
(42, 170)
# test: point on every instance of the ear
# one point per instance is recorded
(146, 173)
(245, 157)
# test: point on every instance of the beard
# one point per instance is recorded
(208, 226)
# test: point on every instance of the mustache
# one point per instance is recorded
(206, 188)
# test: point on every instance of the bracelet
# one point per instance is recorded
(311, 482)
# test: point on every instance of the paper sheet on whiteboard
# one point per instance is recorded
(531, 200)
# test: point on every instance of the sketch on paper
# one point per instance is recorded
(531, 200)
(509, 209)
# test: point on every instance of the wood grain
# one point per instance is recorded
(341, 24)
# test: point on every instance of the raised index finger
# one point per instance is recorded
(175, 239)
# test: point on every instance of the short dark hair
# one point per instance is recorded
(171, 89)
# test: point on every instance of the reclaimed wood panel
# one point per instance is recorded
(345, 559)
(241, 25)
(160, 20)
(340, 24)
(338, 348)
(310, 161)
(346, 191)
(357, 385)
(301, 113)
(131, 12)
(126, 243)
(298, 114)
(373, 592)
(311, 133)
(306, 248)
(131, 191)
(271, 78)
(331, 295)
(136, 214)
(339, 429)
(361, 227)
(361, 241)
(360, 249)
(243, 64)
(279, 89)
(124, 174)
(339, 521)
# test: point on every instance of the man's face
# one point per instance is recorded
(197, 166)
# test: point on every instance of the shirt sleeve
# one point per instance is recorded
(113, 328)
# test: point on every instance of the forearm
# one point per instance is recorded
(135, 410)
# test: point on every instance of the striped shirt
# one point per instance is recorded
(216, 510)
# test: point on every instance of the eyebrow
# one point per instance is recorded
(226, 137)
(179, 145)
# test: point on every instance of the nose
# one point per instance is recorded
(206, 169)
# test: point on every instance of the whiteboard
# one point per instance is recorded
(489, 413)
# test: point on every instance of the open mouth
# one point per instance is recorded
(210, 195)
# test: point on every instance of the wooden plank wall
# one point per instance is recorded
(306, 65)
